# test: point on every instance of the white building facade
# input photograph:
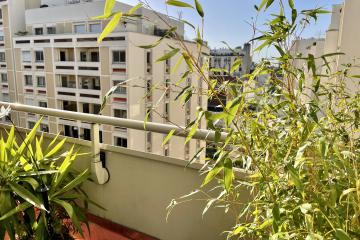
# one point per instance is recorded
(55, 62)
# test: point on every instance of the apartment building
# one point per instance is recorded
(53, 60)
(223, 59)
(341, 37)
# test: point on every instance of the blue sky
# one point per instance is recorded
(226, 20)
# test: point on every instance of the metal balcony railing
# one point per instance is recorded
(98, 171)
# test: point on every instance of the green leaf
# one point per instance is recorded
(346, 192)
(235, 65)
(55, 149)
(212, 174)
(63, 170)
(19, 208)
(27, 195)
(188, 23)
(168, 137)
(109, 6)
(73, 184)
(110, 26)
(199, 8)
(168, 55)
(291, 4)
(178, 3)
(192, 132)
(228, 174)
(341, 234)
(72, 214)
(135, 8)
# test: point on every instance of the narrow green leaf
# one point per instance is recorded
(168, 55)
(171, 133)
(341, 234)
(199, 8)
(235, 65)
(228, 174)
(192, 132)
(212, 174)
(135, 8)
(178, 3)
(27, 195)
(20, 208)
(109, 6)
(55, 149)
(110, 26)
(73, 184)
(72, 214)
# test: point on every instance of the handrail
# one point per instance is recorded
(200, 134)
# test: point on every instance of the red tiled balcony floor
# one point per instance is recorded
(100, 233)
(103, 229)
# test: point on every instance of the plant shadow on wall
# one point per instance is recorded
(296, 136)
(40, 195)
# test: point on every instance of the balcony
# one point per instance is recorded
(141, 185)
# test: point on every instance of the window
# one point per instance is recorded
(31, 125)
(26, 56)
(3, 77)
(41, 81)
(167, 65)
(83, 56)
(51, 30)
(120, 113)
(43, 104)
(166, 150)
(167, 86)
(148, 57)
(94, 56)
(121, 142)
(95, 27)
(167, 110)
(39, 31)
(148, 62)
(5, 97)
(80, 28)
(39, 56)
(119, 56)
(28, 80)
(2, 57)
(44, 127)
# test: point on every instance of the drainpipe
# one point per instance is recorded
(99, 172)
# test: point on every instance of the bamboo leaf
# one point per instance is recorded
(212, 174)
(235, 65)
(341, 234)
(228, 174)
(171, 133)
(110, 26)
(168, 55)
(199, 8)
(178, 3)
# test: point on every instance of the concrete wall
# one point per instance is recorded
(142, 185)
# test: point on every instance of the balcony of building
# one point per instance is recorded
(64, 60)
(140, 185)
(88, 61)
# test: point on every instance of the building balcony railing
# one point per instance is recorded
(132, 196)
